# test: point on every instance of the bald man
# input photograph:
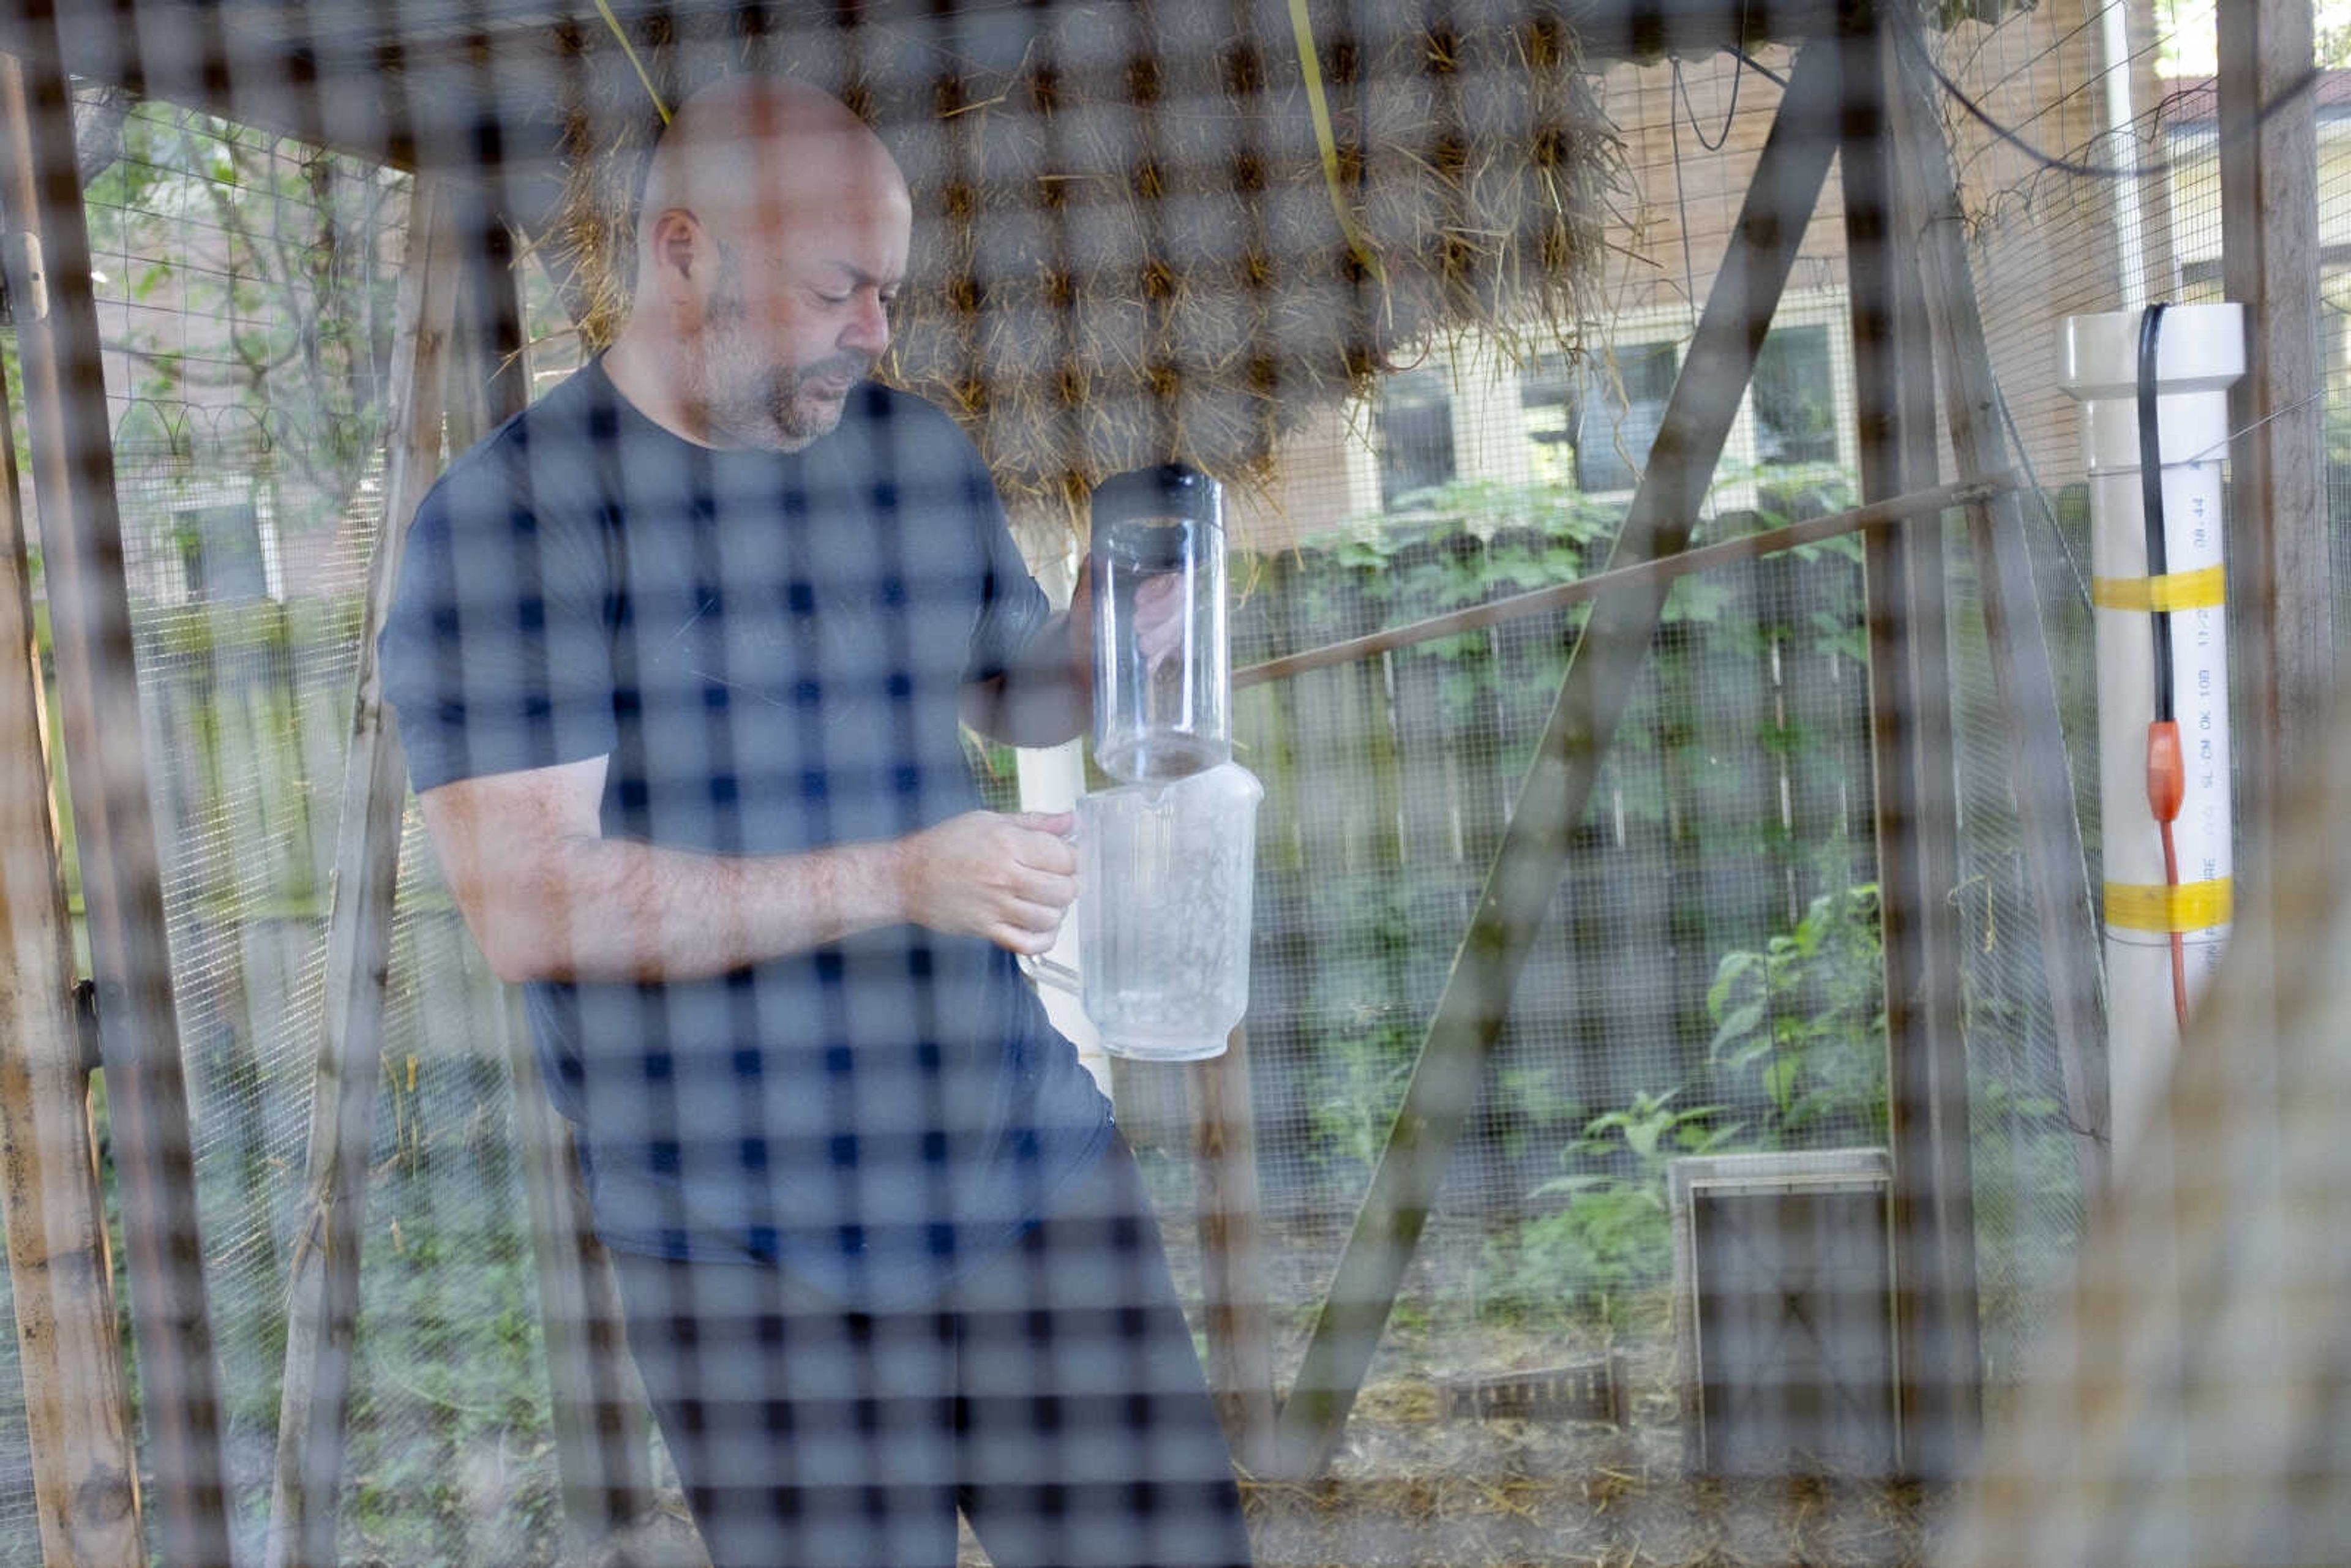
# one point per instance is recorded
(679, 659)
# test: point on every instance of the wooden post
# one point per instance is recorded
(492, 380)
(323, 1293)
(2281, 572)
(47, 259)
(2065, 915)
(1916, 812)
(1232, 1256)
(1607, 657)
(77, 1415)
(603, 1426)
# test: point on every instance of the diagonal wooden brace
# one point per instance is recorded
(323, 1284)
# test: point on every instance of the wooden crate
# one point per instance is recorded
(1783, 1312)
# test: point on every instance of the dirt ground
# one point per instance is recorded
(1414, 1489)
(1411, 1486)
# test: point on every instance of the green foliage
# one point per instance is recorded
(1468, 541)
(1359, 1081)
(1596, 1245)
(1799, 1033)
(1803, 1018)
(267, 276)
(1609, 1242)
(450, 1388)
(1362, 1047)
(1533, 1105)
(1465, 543)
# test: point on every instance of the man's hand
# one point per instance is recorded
(1007, 878)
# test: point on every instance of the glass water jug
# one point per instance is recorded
(1165, 881)
(1163, 690)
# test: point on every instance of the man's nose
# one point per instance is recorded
(869, 330)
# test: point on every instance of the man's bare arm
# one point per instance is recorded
(1044, 701)
(1048, 697)
(548, 897)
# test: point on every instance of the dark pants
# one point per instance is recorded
(1054, 1395)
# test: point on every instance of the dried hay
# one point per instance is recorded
(1126, 248)
(1411, 1489)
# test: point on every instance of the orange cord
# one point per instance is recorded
(2166, 788)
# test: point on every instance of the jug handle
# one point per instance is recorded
(1045, 971)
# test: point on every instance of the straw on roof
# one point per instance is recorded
(1126, 247)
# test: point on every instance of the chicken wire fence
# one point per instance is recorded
(1708, 979)
(246, 287)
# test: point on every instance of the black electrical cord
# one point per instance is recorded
(2150, 490)
(2166, 772)
(1729, 116)
(2262, 114)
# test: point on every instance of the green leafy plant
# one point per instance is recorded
(1610, 1242)
(1802, 1019)
(1358, 1087)
(284, 305)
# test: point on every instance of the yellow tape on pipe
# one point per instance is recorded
(2204, 589)
(2190, 906)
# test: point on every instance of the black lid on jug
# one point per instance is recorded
(1162, 490)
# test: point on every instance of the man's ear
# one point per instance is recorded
(680, 251)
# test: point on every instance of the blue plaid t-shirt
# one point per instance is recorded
(769, 648)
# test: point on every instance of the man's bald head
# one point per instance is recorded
(748, 153)
(770, 241)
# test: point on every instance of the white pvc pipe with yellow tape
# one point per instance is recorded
(2199, 352)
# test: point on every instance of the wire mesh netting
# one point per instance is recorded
(1706, 983)
(19, 1526)
(245, 289)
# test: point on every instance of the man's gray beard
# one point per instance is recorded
(755, 403)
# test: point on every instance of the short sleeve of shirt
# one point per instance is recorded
(1013, 608)
(496, 656)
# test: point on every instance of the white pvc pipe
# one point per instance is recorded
(2115, 71)
(2201, 351)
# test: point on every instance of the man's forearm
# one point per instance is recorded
(612, 910)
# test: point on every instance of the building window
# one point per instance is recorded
(220, 554)
(1618, 416)
(1592, 423)
(1416, 435)
(1547, 393)
(1795, 398)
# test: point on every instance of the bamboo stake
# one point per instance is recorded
(2282, 577)
(77, 1414)
(322, 1313)
(47, 261)
(1668, 568)
(1913, 771)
